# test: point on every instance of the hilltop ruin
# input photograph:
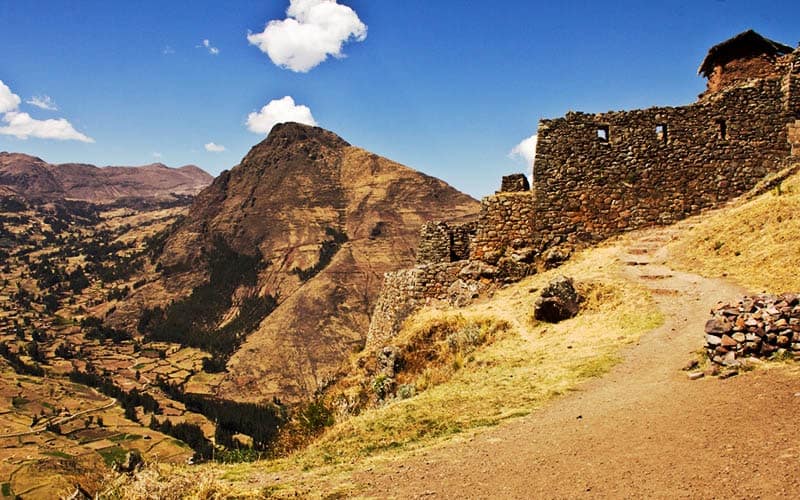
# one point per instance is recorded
(599, 175)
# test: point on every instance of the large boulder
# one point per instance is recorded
(462, 292)
(477, 269)
(559, 301)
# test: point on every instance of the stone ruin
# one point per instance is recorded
(759, 326)
(599, 175)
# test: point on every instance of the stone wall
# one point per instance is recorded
(505, 224)
(791, 84)
(444, 242)
(403, 292)
(793, 133)
(514, 183)
(597, 175)
(461, 237)
(434, 243)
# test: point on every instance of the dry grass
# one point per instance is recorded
(163, 481)
(518, 366)
(756, 243)
(522, 369)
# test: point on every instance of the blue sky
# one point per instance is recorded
(447, 87)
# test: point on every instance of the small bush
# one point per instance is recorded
(466, 339)
(381, 386)
(315, 417)
(406, 391)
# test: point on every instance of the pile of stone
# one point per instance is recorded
(758, 326)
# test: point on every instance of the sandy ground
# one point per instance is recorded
(644, 430)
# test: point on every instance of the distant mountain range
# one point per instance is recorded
(33, 178)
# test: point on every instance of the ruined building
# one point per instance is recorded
(598, 175)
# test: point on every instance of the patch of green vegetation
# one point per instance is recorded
(238, 455)
(782, 355)
(58, 454)
(62, 321)
(19, 401)
(326, 253)
(193, 321)
(124, 437)
(178, 442)
(596, 366)
(113, 454)
(5, 488)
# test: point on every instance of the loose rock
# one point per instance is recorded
(757, 326)
(559, 301)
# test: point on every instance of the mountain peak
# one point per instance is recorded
(292, 132)
(327, 220)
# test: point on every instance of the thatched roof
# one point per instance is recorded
(746, 44)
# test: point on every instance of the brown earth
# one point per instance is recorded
(290, 194)
(644, 430)
(32, 177)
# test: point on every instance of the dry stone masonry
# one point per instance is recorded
(514, 183)
(598, 175)
(405, 290)
(758, 326)
(442, 242)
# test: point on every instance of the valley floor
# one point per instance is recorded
(643, 430)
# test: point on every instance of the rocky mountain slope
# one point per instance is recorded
(32, 177)
(313, 223)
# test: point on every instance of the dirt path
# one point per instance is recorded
(644, 430)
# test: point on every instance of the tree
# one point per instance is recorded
(32, 349)
(50, 302)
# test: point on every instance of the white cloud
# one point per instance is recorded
(313, 30)
(43, 102)
(9, 101)
(214, 148)
(279, 111)
(525, 150)
(211, 49)
(157, 155)
(167, 50)
(22, 126)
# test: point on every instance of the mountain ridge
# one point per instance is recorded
(32, 177)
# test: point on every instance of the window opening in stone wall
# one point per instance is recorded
(602, 133)
(722, 129)
(661, 133)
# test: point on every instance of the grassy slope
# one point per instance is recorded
(756, 243)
